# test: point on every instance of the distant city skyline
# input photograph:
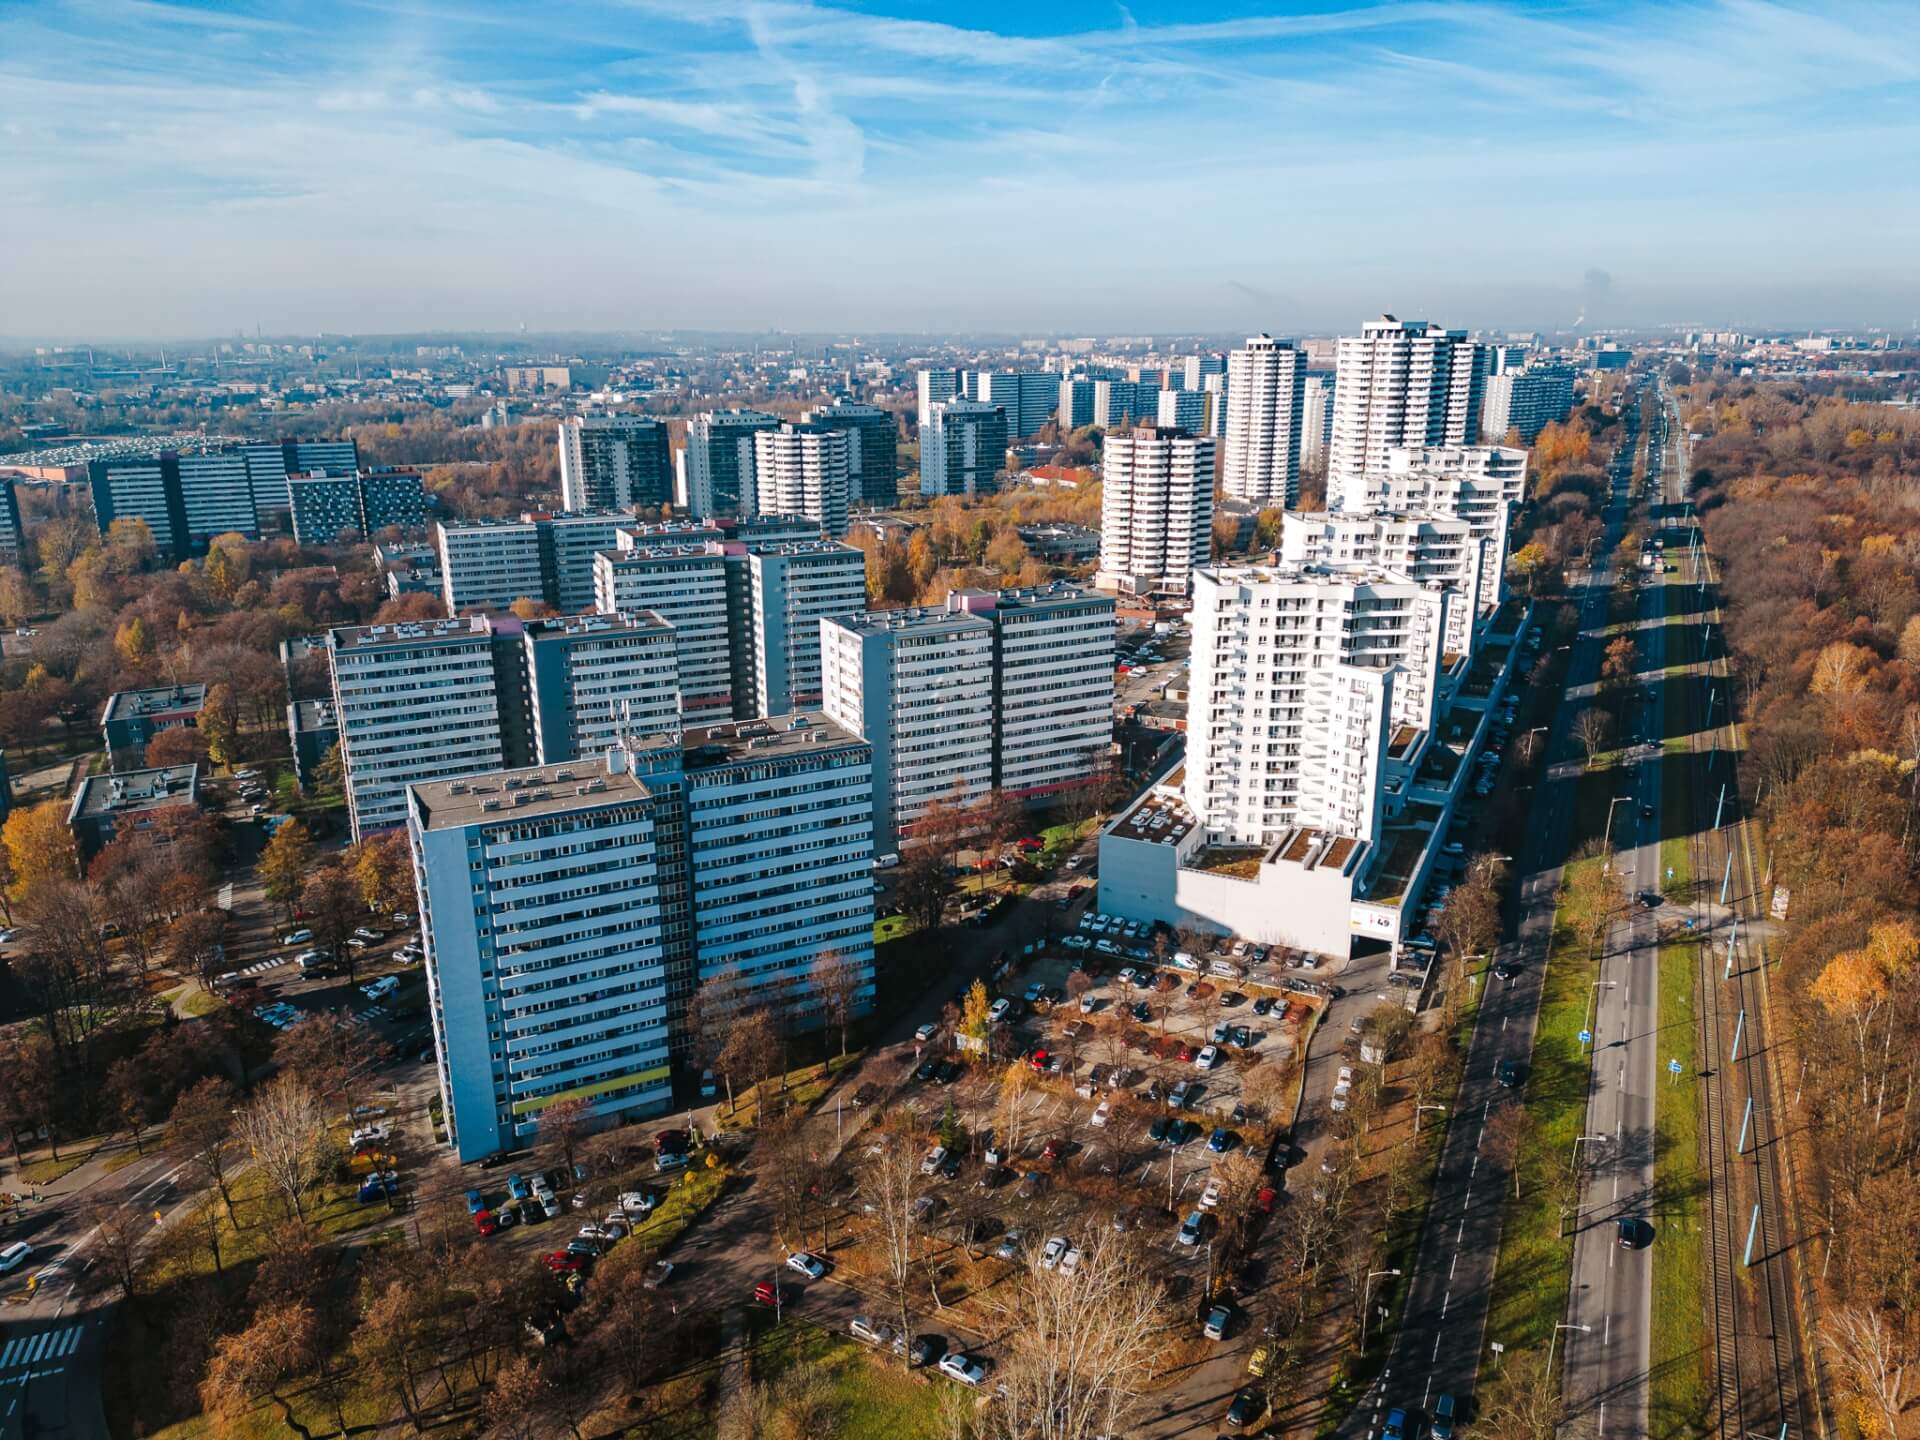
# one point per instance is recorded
(1079, 167)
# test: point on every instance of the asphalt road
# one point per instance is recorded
(1438, 1346)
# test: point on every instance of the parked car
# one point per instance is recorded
(936, 1157)
(1055, 1247)
(296, 937)
(806, 1263)
(1218, 1319)
(967, 1369)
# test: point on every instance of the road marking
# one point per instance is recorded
(1436, 1348)
(1454, 1266)
(1445, 1300)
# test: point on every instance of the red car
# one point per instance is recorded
(560, 1262)
(1052, 1150)
(1032, 843)
(1041, 1061)
(767, 1293)
(1266, 1197)
(1186, 1054)
(485, 1221)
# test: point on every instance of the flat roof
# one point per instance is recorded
(918, 617)
(156, 700)
(415, 632)
(778, 736)
(132, 790)
(314, 715)
(507, 795)
(1156, 819)
(595, 623)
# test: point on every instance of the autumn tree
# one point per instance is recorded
(331, 903)
(563, 1125)
(39, 846)
(283, 1128)
(220, 720)
(278, 1346)
(284, 862)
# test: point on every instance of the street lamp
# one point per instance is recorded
(1606, 839)
(1609, 984)
(1366, 1302)
(1576, 1147)
(1583, 1329)
(1416, 1114)
(1536, 730)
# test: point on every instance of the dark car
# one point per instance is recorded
(1262, 1006)
(923, 1072)
(1182, 1133)
(1633, 1233)
(1510, 1073)
(926, 1349)
(1160, 1129)
(1247, 1408)
(1650, 900)
(1508, 969)
(946, 1073)
(1142, 1012)
(1242, 1037)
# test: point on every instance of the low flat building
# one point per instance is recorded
(132, 802)
(315, 731)
(133, 717)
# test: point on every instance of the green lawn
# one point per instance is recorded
(689, 1198)
(892, 927)
(1536, 1251)
(871, 1400)
(45, 1172)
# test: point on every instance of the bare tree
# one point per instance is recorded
(892, 1183)
(1508, 1129)
(837, 982)
(1082, 1346)
(200, 1130)
(1873, 1359)
(283, 1127)
(1523, 1401)
(563, 1125)
(1593, 728)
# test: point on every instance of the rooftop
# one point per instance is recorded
(596, 623)
(514, 795)
(314, 715)
(159, 700)
(132, 790)
(414, 632)
(777, 737)
(1288, 572)
(917, 617)
(1156, 819)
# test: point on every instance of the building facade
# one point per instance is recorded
(687, 586)
(1525, 402)
(615, 462)
(1029, 397)
(792, 588)
(1156, 508)
(963, 448)
(1426, 548)
(541, 556)
(1316, 421)
(719, 461)
(1400, 383)
(934, 387)
(800, 470)
(593, 678)
(872, 449)
(12, 533)
(1266, 397)
(133, 717)
(917, 685)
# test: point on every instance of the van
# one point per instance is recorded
(14, 1256)
(885, 862)
(1443, 1413)
(1223, 970)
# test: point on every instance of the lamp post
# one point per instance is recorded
(1576, 1147)
(1416, 1114)
(1366, 1302)
(1583, 1329)
(1606, 839)
(1609, 984)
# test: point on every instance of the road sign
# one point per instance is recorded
(1669, 872)
(1673, 1067)
(1586, 1037)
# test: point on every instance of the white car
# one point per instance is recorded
(1339, 1100)
(1077, 942)
(1088, 1004)
(1056, 1247)
(1207, 1058)
(6, 937)
(926, 1032)
(936, 1157)
(998, 1010)
(296, 937)
(1070, 1261)
(1345, 1077)
(808, 1264)
(1210, 1196)
(964, 1368)
(1126, 974)
(1102, 1113)
(363, 933)
(638, 1202)
(377, 1134)
(309, 957)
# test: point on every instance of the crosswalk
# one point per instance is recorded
(272, 962)
(44, 1352)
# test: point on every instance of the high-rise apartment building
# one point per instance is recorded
(963, 448)
(1120, 403)
(1156, 507)
(792, 588)
(188, 498)
(720, 459)
(556, 909)
(1184, 410)
(799, 470)
(615, 462)
(934, 387)
(917, 685)
(1052, 684)
(1481, 484)
(593, 678)
(12, 533)
(1266, 393)
(414, 702)
(872, 449)
(1305, 681)
(1195, 369)
(1423, 547)
(541, 556)
(325, 506)
(1525, 402)
(1401, 382)
(1316, 421)
(1075, 403)
(687, 586)
(1029, 397)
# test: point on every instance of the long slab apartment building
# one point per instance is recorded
(558, 910)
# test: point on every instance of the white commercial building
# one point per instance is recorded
(1316, 423)
(1481, 484)
(1400, 383)
(1266, 392)
(615, 462)
(1052, 685)
(934, 387)
(800, 470)
(1156, 508)
(918, 686)
(793, 587)
(594, 678)
(686, 585)
(414, 702)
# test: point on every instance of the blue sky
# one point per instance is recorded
(179, 169)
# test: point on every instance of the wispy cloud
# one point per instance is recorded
(753, 162)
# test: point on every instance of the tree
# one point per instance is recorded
(130, 1092)
(751, 1053)
(331, 902)
(220, 719)
(134, 641)
(1508, 1130)
(277, 1347)
(118, 1233)
(563, 1125)
(709, 1013)
(18, 603)
(1470, 919)
(1523, 1399)
(284, 862)
(891, 1182)
(925, 884)
(1873, 1358)
(283, 1128)
(181, 745)
(383, 871)
(1620, 660)
(837, 983)
(1593, 728)
(39, 846)
(336, 1059)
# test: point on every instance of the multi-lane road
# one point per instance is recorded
(1438, 1347)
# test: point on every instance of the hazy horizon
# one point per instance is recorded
(1080, 168)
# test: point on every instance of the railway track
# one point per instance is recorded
(1758, 1366)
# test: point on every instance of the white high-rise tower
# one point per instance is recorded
(1266, 392)
(1401, 382)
